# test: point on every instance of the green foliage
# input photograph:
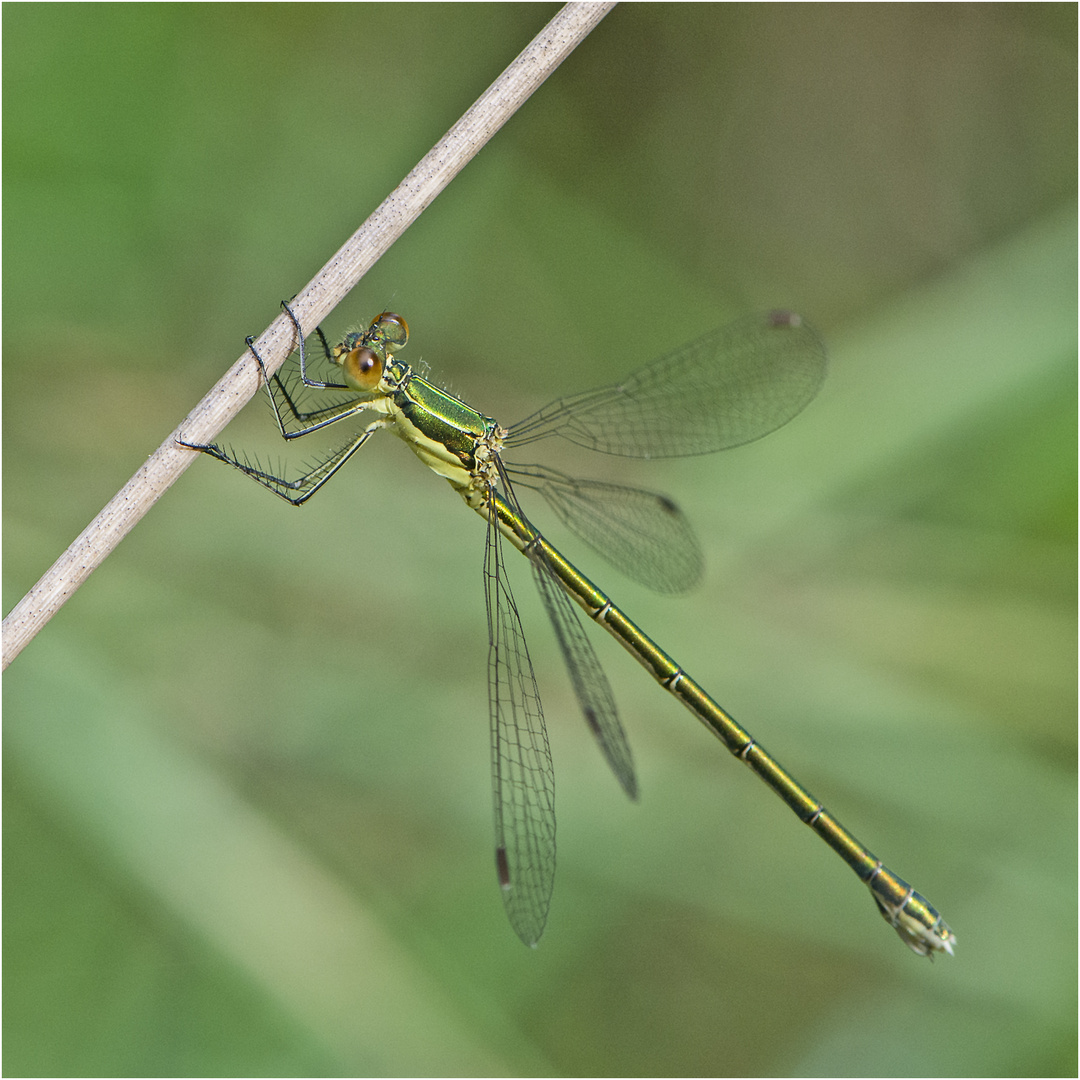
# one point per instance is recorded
(247, 824)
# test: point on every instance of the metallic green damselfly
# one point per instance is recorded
(730, 387)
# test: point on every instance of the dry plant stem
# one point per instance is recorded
(397, 212)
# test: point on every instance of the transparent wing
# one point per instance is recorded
(590, 683)
(639, 532)
(523, 778)
(732, 386)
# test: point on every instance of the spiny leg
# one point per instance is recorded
(301, 489)
(293, 422)
(327, 352)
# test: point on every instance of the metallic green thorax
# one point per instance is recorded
(449, 437)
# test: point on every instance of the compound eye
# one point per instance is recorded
(363, 369)
(391, 330)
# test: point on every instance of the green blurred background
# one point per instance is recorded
(247, 803)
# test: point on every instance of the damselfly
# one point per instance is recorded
(730, 387)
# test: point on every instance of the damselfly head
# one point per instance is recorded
(363, 357)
